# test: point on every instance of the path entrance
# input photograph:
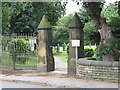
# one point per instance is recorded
(60, 66)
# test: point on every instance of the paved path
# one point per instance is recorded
(60, 66)
(6, 84)
(59, 81)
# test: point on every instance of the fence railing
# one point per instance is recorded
(19, 51)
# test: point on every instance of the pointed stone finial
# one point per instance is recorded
(44, 24)
(76, 23)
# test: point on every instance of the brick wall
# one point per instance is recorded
(98, 70)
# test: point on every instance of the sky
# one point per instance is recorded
(73, 7)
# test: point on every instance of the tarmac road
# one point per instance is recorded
(5, 84)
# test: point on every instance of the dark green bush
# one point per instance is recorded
(103, 49)
(68, 48)
(21, 49)
(89, 52)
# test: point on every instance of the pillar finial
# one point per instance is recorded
(76, 22)
(44, 24)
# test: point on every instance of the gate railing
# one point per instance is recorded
(19, 52)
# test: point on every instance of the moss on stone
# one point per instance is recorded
(44, 23)
(76, 22)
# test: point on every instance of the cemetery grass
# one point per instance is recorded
(64, 57)
(55, 53)
(7, 60)
(61, 50)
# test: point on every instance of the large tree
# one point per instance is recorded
(94, 10)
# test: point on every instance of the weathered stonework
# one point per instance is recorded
(98, 70)
(45, 57)
(76, 32)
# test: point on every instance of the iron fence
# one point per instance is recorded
(19, 51)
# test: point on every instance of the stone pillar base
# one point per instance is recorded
(72, 66)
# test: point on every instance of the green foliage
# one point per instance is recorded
(119, 8)
(104, 49)
(6, 12)
(24, 17)
(109, 12)
(4, 44)
(115, 27)
(61, 30)
(68, 48)
(89, 52)
(94, 8)
(19, 47)
(83, 15)
(92, 46)
(91, 35)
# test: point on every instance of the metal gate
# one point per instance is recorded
(19, 51)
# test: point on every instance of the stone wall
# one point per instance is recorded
(98, 70)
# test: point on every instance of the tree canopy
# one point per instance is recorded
(24, 17)
(61, 30)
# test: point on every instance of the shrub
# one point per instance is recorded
(21, 48)
(89, 52)
(54, 53)
(68, 48)
(103, 49)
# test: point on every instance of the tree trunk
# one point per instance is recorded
(101, 25)
(105, 33)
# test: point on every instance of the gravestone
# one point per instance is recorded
(64, 47)
(76, 33)
(58, 48)
(45, 57)
(55, 48)
(95, 44)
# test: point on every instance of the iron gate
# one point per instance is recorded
(19, 51)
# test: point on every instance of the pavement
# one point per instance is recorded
(6, 84)
(58, 78)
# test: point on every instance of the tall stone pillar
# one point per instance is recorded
(45, 57)
(76, 32)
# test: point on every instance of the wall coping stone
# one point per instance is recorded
(84, 61)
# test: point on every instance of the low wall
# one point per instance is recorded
(98, 70)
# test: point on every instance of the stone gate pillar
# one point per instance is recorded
(45, 57)
(76, 32)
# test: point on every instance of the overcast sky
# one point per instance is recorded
(73, 7)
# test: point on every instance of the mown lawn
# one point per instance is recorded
(64, 58)
(61, 50)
